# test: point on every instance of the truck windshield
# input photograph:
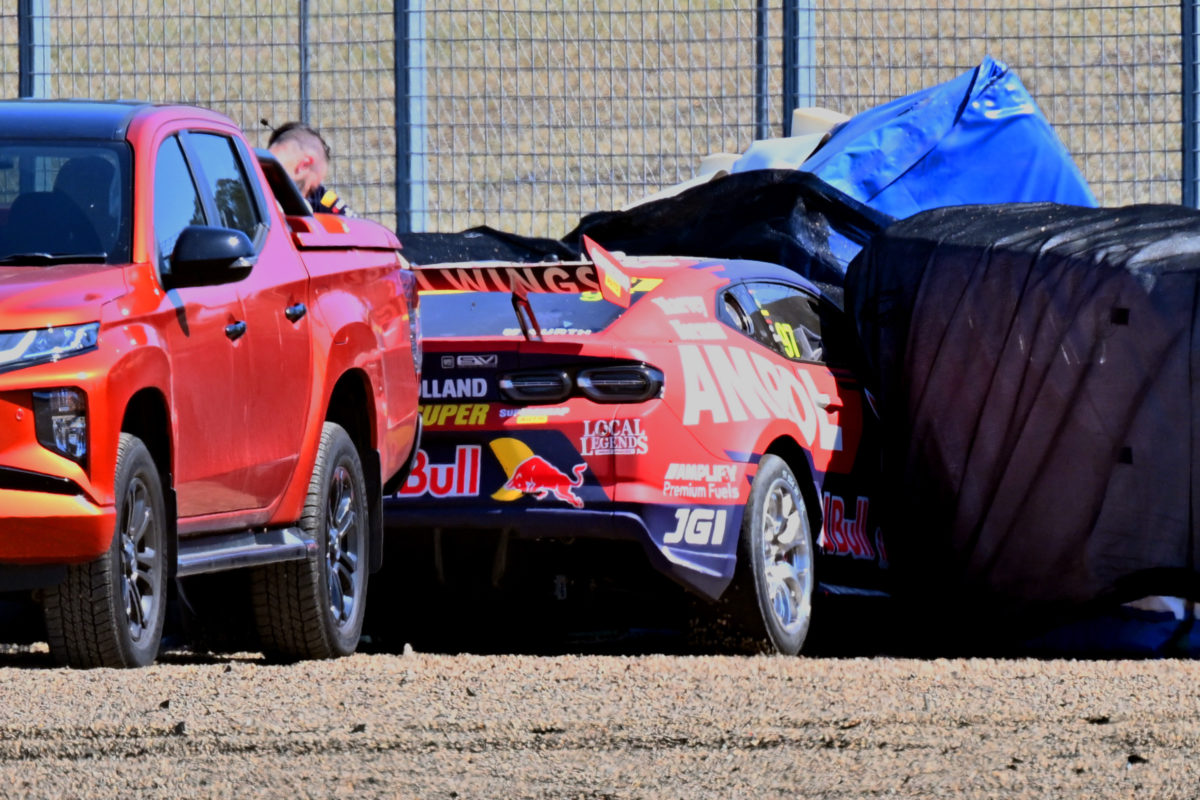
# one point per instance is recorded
(65, 200)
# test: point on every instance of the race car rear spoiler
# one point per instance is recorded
(603, 273)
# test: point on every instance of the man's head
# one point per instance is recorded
(303, 154)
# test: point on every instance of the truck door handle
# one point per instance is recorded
(295, 312)
(234, 330)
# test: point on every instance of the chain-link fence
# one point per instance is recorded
(275, 60)
(524, 114)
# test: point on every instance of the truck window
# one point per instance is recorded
(227, 181)
(65, 198)
(176, 201)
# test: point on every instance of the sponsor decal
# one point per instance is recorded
(471, 361)
(724, 384)
(698, 330)
(557, 411)
(639, 285)
(466, 414)
(608, 437)
(459, 478)
(679, 306)
(559, 279)
(452, 388)
(550, 332)
(531, 474)
(699, 527)
(843, 535)
(702, 482)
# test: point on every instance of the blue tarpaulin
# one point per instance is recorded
(979, 138)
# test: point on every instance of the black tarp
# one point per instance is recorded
(1036, 370)
(779, 216)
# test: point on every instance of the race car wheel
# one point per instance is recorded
(774, 578)
(314, 608)
(109, 612)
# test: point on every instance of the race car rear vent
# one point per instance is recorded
(625, 384)
(536, 387)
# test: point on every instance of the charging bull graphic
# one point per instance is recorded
(532, 474)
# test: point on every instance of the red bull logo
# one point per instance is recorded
(532, 474)
(540, 478)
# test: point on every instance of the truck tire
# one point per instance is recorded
(314, 608)
(772, 591)
(109, 612)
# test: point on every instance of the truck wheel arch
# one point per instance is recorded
(351, 405)
(147, 417)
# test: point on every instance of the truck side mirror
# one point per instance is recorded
(208, 256)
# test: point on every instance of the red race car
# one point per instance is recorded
(706, 409)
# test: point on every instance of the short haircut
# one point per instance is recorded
(303, 135)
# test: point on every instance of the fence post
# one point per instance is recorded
(799, 58)
(33, 50)
(411, 157)
(761, 121)
(1190, 30)
(305, 104)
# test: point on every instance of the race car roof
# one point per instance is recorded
(67, 119)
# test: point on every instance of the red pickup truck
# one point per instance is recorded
(197, 374)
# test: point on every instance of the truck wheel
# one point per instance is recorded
(772, 593)
(314, 608)
(109, 612)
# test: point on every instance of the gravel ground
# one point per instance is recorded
(656, 726)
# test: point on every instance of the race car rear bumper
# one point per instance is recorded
(551, 523)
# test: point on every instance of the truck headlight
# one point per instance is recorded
(60, 420)
(23, 348)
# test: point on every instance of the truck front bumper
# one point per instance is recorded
(50, 527)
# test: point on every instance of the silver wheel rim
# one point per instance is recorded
(787, 556)
(139, 554)
(342, 539)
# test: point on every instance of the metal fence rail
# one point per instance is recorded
(523, 115)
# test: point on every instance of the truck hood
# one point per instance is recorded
(62, 294)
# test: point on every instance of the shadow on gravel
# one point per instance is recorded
(579, 611)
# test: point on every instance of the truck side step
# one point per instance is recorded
(242, 549)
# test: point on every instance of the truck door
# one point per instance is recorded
(274, 300)
(210, 368)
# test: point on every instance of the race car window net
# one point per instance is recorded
(497, 314)
(65, 200)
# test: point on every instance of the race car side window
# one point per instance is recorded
(732, 313)
(787, 319)
(176, 200)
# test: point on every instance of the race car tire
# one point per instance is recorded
(773, 585)
(109, 612)
(313, 608)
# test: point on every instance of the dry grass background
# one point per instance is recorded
(538, 111)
